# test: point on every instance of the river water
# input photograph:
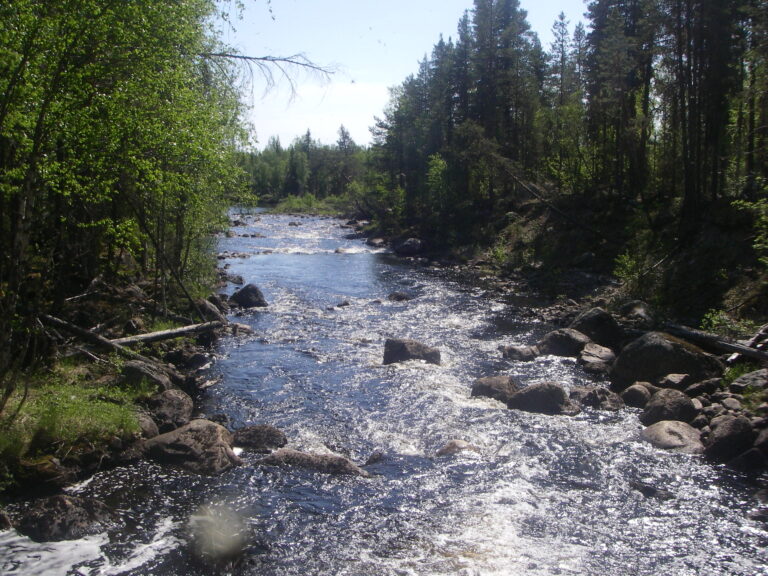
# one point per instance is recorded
(541, 495)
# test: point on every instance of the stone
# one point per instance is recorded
(597, 398)
(654, 355)
(455, 446)
(43, 475)
(563, 342)
(376, 242)
(709, 386)
(543, 398)
(170, 409)
(497, 387)
(674, 436)
(753, 460)
(600, 327)
(636, 396)
(729, 436)
(731, 404)
(399, 297)
(668, 404)
(638, 314)
(249, 296)
(63, 517)
(147, 426)
(5, 521)
(676, 381)
(201, 446)
(596, 359)
(757, 380)
(324, 463)
(519, 353)
(762, 441)
(137, 371)
(401, 350)
(210, 312)
(263, 438)
(409, 247)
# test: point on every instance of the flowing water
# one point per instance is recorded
(541, 495)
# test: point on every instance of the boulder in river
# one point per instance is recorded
(409, 247)
(249, 296)
(600, 327)
(497, 387)
(636, 396)
(669, 404)
(63, 517)
(519, 353)
(597, 397)
(210, 311)
(262, 438)
(401, 350)
(325, 463)
(170, 409)
(201, 446)
(543, 398)
(563, 342)
(596, 359)
(455, 446)
(654, 355)
(675, 436)
(729, 436)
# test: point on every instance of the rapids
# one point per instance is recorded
(542, 495)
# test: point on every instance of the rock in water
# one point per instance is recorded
(63, 518)
(730, 437)
(401, 350)
(262, 438)
(455, 446)
(497, 387)
(201, 446)
(249, 296)
(325, 463)
(675, 436)
(600, 327)
(544, 398)
(597, 398)
(669, 404)
(563, 342)
(409, 247)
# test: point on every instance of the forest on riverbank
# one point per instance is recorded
(636, 144)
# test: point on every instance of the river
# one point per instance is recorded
(541, 495)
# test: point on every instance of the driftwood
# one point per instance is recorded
(707, 339)
(93, 338)
(168, 334)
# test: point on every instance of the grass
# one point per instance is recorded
(69, 405)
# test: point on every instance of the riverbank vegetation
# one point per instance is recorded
(635, 144)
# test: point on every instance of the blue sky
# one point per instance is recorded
(371, 44)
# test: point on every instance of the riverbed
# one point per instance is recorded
(539, 495)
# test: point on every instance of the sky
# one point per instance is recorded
(371, 45)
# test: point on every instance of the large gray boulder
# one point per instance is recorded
(636, 396)
(263, 438)
(654, 355)
(729, 437)
(170, 409)
(597, 397)
(325, 463)
(409, 247)
(543, 398)
(136, 372)
(401, 350)
(674, 436)
(596, 359)
(754, 381)
(563, 342)
(497, 387)
(600, 327)
(63, 517)
(249, 296)
(201, 446)
(669, 404)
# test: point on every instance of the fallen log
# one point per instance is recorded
(168, 334)
(753, 342)
(92, 338)
(707, 339)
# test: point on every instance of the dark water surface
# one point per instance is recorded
(543, 495)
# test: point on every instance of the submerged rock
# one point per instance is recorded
(263, 438)
(455, 446)
(543, 398)
(497, 387)
(63, 517)
(401, 350)
(325, 463)
(597, 398)
(520, 353)
(201, 446)
(675, 436)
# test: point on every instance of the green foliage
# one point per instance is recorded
(720, 322)
(759, 211)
